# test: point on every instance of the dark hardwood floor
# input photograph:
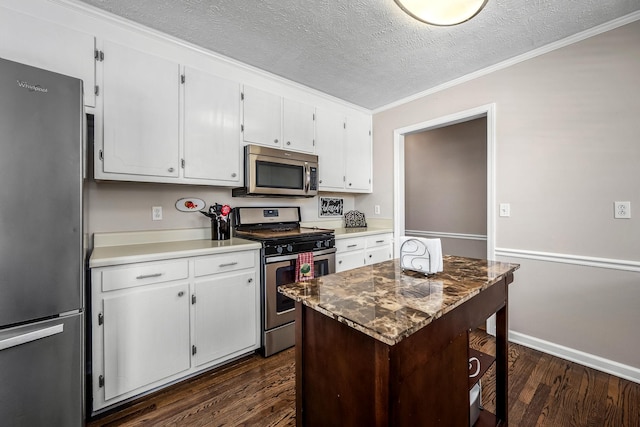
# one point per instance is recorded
(253, 391)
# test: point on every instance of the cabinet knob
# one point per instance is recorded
(340, 262)
(349, 184)
(233, 175)
(181, 293)
(370, 256)
(275, 141)
(288, 142)
(320, 181)
(170, 169)
(250, 280)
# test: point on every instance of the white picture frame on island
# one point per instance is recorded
(330, 206)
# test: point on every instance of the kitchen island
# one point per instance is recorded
(377, 346)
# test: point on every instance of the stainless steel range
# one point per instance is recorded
(283, 239)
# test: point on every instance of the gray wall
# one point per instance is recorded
(446, 185)
(567, 147)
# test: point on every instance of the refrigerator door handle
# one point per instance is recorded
(16, 340)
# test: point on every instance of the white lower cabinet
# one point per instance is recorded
(354, 252)
(224, 322)
(154, 323)
(146, 336)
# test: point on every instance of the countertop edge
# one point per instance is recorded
(346, 233)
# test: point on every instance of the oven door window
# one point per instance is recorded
(279, 175)
(287, 274)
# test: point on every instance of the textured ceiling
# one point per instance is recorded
(367, 52)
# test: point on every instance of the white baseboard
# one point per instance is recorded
(592, 361)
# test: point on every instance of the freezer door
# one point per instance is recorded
(40, 196)
(41, 374)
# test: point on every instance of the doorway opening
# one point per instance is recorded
(399, 135)
(485, 111)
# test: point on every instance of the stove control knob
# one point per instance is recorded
(327, 243)
(279, 249)
(289, 248)
(319, 244)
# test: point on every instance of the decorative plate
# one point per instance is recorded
(190, 204)
(354, 219)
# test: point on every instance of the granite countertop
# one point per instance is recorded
(127, 254)
(382, 301)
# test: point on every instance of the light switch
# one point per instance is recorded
(505, 209)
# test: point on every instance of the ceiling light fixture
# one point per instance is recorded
(442, 12)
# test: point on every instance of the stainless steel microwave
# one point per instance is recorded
(279, 173)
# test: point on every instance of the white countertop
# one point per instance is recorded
(131, 247)
(127, 254)
(344, 233)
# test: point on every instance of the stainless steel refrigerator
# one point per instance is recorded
(41, 249)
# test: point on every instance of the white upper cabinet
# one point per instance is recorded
(298, 126)
(343, 144)
(330, 138)
(212, 134)
(358, 154)
(262, 117)
(46, 45)
(141, 113)
(277, 122)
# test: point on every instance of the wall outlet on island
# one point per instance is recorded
(376, 209)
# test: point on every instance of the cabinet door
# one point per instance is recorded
(358, 154)
(211, 127)
(349, 260)
(140, 95)
(262, 117)
(330, 135)
(298, 126)
(379, 254)
(226, 311)
(146, 337)
(50, 46)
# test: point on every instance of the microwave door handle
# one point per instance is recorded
(307, 172)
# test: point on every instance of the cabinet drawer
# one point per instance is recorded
(222, 263)
(143, 274)
(345, 245)
(379, 240)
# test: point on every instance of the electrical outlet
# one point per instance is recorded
(156, 213)
(622, 210)
(376, 209)
(505, 209)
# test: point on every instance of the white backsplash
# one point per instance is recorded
(124, 206)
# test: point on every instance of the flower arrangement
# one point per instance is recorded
(220, 227)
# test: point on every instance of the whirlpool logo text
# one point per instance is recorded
(32, 88)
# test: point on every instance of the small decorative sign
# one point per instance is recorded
(330, 206)
(190, 204)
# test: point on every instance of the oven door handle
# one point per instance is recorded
(289, 257)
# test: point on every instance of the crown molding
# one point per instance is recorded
(603, 28)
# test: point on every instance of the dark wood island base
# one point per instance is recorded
(356, 374)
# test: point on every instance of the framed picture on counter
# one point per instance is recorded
(330, 206)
